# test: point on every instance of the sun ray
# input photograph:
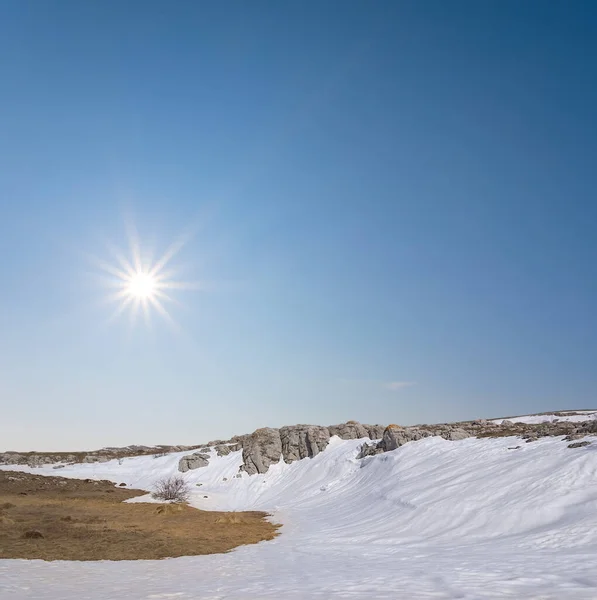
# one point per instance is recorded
(120, 309)
(139, 286)
(163, 312)
(108, 268)
(146, 315)
(134, 245)
(181, 285)
(170, 253)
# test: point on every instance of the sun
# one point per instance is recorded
(142, 285)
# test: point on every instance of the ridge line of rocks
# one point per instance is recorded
(267, 446)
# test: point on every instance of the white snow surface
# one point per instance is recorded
(582, 415)
(472, 519)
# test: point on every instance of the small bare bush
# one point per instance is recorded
(171, 489)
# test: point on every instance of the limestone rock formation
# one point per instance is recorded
(349, 431)
(261, 449)
(375, 431)
(303, 441)
(222, 450)
(193, 461)
(458, 434)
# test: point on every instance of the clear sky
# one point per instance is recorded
(392, 205)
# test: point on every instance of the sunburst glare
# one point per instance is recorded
(142, 285)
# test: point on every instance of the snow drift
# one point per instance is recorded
(476, 518)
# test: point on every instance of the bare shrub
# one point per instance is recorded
(171, 489)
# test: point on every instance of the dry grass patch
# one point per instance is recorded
(87, 520)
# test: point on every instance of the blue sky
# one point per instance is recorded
(393, 204)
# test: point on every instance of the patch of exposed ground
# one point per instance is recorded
(53, 518)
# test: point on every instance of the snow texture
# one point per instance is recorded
(470, 519)
(583, 415)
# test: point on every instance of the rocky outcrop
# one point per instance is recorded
(353, 430)
(457, 434)
(260, 450)
(268, 446)
(375, 431)
(223, 450)
(38, 459)
(579, 444)
(395, 436)
(349, 431)
(294, 442)
(193, 461)
(303, 441)
(96, 458)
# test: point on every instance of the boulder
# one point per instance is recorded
(261, 449)
(395, 436)
(223, 450)
(193, 461)
(349, 431)
(457, 433)
(375, 432)
(303, 441)
(579, 444)
(369, 450)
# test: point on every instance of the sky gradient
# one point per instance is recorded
(392, 205)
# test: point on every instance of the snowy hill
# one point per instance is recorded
(575, 416)
(475, 518)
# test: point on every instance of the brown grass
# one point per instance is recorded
(87, 520)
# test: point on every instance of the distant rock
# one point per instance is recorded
(349, 431)
(395, 436)
(579, 444)
(375, 431)
(193, 461)
(458, 434)
(96, 458)
(223, 450)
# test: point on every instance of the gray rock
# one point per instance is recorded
(349, 431)
(223, 450)
(237, 442)
(579, 444)
(395, 436)
(369, 450)
(96, 458)
(193, 461)
(457, 434)
(303, 441)
(375, 431)
(261, 449)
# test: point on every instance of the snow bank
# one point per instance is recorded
(477, 518)
(583, 415)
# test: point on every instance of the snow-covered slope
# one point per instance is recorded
(574, 417)
(470, 519)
